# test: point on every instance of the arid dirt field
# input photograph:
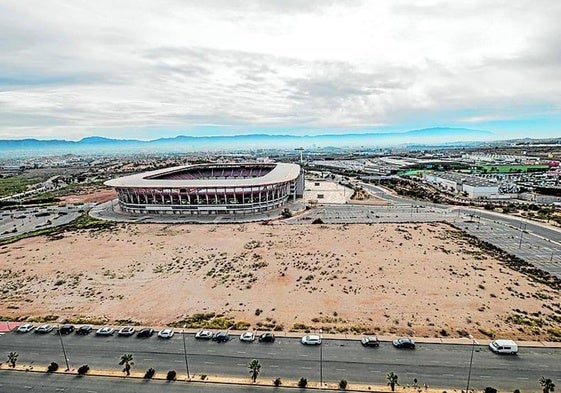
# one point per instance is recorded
(414, 279)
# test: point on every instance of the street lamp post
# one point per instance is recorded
(320, 361)
(521, 233)
(63, 350)
(470, 361)
(185, 353)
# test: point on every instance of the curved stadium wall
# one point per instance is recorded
(210, 189)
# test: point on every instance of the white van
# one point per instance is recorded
(504, 346)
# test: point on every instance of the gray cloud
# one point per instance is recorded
(74, 67)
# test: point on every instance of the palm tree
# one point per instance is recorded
(547, 384)
(127, 360)
(12, 359)
(254, 369)
(392, 380)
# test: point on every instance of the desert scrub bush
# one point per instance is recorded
(149, 374)
(86, 320)
(300, 326)
(82, 370)
(277, 382)
(43, 319)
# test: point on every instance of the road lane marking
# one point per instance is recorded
(522, 378)
(273, 366)
(210, 363)
(340, 369)
(242, 352)
(147, 359)
(306, 368)
(241, 364)
(484, 376)
(271, 353)
(303, 355)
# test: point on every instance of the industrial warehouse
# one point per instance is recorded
(222, 188)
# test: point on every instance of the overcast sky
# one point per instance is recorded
(146, 69)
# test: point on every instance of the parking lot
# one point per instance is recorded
(518, 240)
(360, 214)
(22, 220)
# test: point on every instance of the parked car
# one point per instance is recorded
(404, 342)
(311, 339)
(67, 328)
(267, 337)
(247, 337)
(370, 341)
(105, 331)
(126, 331)
(165, 333)
(203, 335)
(504, 346)
(44, 329)
(221, 337)
(25, 328)
(145, 332)
(84, 329)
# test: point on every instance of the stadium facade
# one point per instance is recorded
(221, 188)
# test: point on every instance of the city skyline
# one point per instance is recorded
(148, 70)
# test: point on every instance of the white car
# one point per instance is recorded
(44, 329)
(203, 335)
(247, 337)
(311, 339)
(25, 328)
(126, 331)
(105, 331)
(165, 333)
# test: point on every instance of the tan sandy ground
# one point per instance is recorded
(90, 194)
(421, 280)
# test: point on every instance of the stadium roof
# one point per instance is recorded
(280, 173)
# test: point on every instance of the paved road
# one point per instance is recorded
(19, 382)
(435, 364)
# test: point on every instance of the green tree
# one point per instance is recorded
(127, 361)
(546, 384)
(392, 380)
(254, 369)
(12, 359)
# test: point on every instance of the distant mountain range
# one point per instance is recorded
(96, 144)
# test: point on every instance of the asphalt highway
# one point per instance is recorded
(443, 365)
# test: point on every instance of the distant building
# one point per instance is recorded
(471, 186)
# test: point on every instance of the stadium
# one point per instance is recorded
(224, 188)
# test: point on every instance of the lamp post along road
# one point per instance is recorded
(185, 352)
(63, 350)
(473, 342)
(320, 361)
